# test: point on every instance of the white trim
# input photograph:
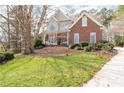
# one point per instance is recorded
(52, 40)
(86, 14)
(64, 13)
(52, 18)
(92, 33)
(84, 21)
(67, 38)
(44, 38)
(76, 34)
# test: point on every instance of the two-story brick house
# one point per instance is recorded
(63, 29)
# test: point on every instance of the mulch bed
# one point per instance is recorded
(106, 53)
(55, 51)
(65, 51)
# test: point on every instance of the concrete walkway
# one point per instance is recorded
(112, 74)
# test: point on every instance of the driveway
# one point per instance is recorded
(112, 73)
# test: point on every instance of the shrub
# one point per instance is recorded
(38, 44)
(108, 47)
(2, 57)
(75, 46)
(83, 44)
(103, 45)
(98, 46)
(79, 46)
(104, 41)
(5, 57)
(119, 40)
(87, 48)
(122, 42)
(9, 56)
(92, 46)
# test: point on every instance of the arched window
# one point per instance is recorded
(52, 27)
(84, 21)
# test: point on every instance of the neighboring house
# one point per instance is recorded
(63, 29)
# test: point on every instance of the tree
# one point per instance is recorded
(5, 26)
(93, 11)
(39, 23)
(19, 25)
(120, 10)
(23, 15)
(106, 16)
(21, 21)
(120, 16)
(8, 25)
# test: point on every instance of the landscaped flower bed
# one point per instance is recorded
(103, 45)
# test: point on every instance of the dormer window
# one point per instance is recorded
(84, 21)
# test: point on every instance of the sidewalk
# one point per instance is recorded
(112, 74)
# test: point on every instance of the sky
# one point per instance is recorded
(79, 8)
(76, 8)
(92, 6)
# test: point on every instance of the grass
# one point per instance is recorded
(64, 71)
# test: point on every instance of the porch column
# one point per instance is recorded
(67, 38)
(44, 38)
(56, 38)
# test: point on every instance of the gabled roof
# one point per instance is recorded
(53, 18)
(89, 16)
(60, 15)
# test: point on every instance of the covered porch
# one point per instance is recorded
(56, 38)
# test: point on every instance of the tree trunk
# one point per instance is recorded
(8, 24)
(26, 30)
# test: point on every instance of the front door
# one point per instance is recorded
(92, 37)
(76, 38)
(52, 40)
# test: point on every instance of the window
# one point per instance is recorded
(76, 38)
(51, 40)
(64, 26)
(93, 37)
(52, 27)
(84, 21)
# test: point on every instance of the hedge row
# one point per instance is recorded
(4, 57)
(103, 45)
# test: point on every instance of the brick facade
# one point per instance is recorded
(84, 32)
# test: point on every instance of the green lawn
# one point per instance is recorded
(72, 70)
